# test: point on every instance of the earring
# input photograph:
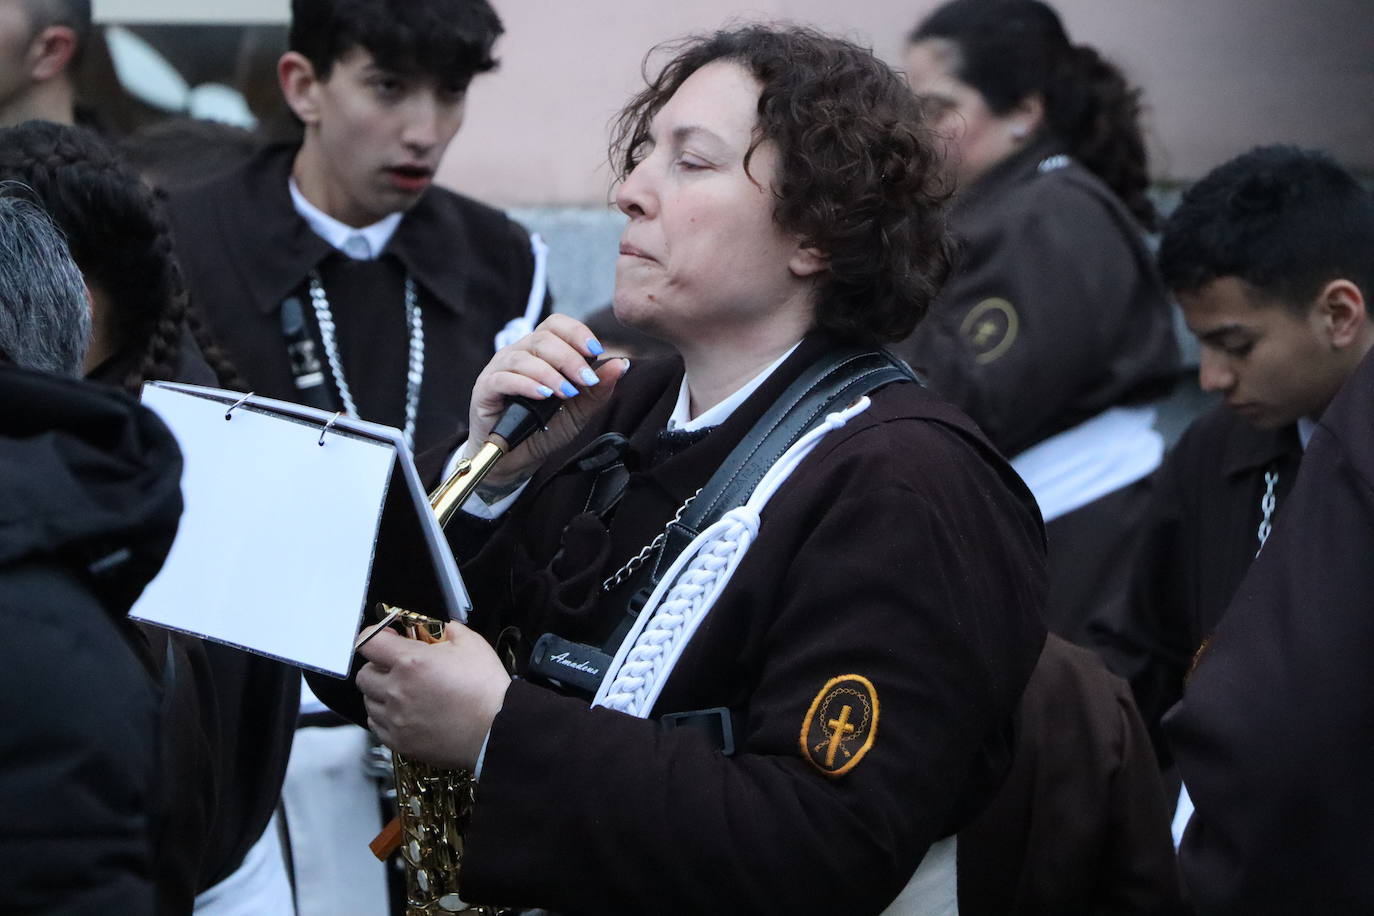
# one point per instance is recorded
(1019, 132)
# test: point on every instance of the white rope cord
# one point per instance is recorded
(517, 328)
(692, 584)
(415, 361)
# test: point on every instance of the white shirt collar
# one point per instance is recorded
(682, 418)
(1306, 426)
(342, 236)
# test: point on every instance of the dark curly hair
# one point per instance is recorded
(857, 176)
(450, 40)
(1010, 49)
(1285, 220)
(119, 240)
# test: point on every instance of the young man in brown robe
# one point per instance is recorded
(1272, 258)
(335, 274)
(1272, 736)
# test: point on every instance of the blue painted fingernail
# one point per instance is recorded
(589, 377)
(545, 391)
(568, 389)
(595, 347)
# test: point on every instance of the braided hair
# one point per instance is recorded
(120, 240)
(1010, 49)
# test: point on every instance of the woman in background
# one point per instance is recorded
(1055, 330)
(1053, 333)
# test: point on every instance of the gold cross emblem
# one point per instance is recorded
(842, 728)
(841, 724)
(983, 335)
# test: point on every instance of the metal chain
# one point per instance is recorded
(415, 364)
(1267, 505)
(636, 561)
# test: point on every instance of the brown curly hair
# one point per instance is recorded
(857, 177)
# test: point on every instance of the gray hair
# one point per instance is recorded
(45, 317)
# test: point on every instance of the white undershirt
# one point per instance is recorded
(682, 419)
(365, 244)
(1306, 427)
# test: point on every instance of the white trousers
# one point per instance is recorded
(259, 887)
(934, 889)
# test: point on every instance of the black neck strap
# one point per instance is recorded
(831, 383)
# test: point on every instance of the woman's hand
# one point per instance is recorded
(434, 702)
(549, 362)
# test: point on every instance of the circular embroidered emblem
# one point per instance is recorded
(990, 328)
(841, 724)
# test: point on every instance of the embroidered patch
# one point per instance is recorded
(990, 328)
(841, 724)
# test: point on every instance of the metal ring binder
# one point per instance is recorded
(324, 429)
(236, 404)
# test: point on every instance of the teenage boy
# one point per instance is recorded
(1272, 258)
(335, 274)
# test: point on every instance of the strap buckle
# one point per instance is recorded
(716, 723)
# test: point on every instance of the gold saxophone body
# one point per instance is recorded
(434, 803)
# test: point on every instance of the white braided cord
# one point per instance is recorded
(415, 362)
(518, 327)
(415, 370)
(689, 589)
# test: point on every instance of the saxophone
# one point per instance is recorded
(433, 803)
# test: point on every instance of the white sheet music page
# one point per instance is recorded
(276, 542)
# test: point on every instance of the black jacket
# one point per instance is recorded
(89, 503)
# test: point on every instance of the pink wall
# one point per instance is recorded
(1219, 76)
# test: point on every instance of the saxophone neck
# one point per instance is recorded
(454, 491)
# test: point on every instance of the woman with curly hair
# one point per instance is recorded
(1055, 330)
(142, 327)
(770, 603)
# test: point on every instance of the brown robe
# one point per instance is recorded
(1054, 313)
(1275, 732)
(1198, 538)
(1082, 823)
